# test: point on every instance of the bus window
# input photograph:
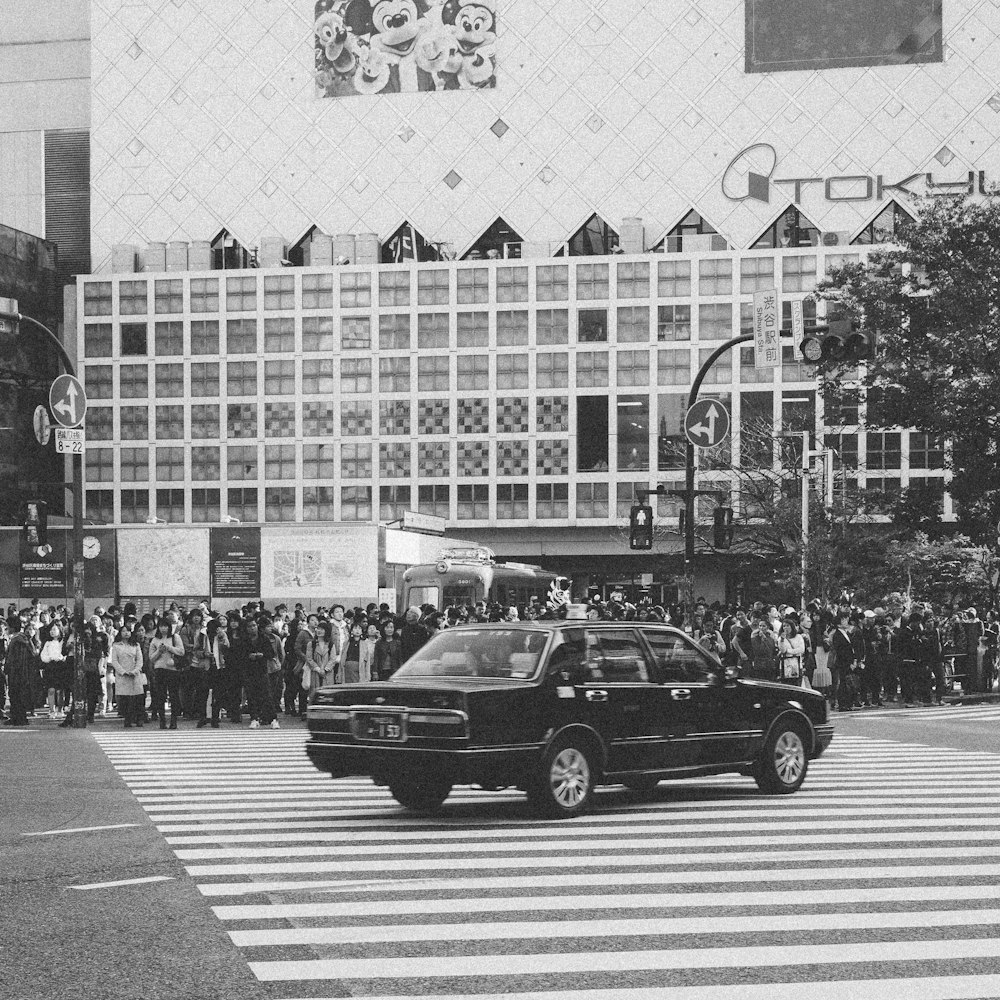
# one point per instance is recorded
(459, 595)
(418, 596)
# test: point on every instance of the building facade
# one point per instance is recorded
(525, 267)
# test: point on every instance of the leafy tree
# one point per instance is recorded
(943, 571)
(934, 305)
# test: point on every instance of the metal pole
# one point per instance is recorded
(74, 553)
(805, 515)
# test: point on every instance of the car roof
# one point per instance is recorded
(552, 624)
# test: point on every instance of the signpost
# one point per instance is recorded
(69, 441)
(706, 423)
(68, 401)
(766, 327)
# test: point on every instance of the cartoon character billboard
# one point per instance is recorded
(404, 46)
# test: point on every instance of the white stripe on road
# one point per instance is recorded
(576, 929)
(127, 881)
(617, 878)
(606, 901)
(782, 955)
(81, 829)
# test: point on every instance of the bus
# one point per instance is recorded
(467, 575)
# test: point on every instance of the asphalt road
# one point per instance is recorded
(879, 880)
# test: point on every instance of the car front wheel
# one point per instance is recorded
(783, 763)
(419, 794)
(565, 784)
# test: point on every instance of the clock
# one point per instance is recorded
(91, 547)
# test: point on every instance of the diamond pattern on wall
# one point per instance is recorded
(636, 111)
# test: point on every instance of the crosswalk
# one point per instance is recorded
(880, 879)
(988, 714)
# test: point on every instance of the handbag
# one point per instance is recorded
(306, 677)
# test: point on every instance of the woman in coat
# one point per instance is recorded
(791, 654)
(355, 658)
(322, 658)
(166, 654)
(126, 658)
(387, 655)
(220, 676)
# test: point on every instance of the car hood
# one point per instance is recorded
(785, 691)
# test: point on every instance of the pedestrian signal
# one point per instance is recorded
(36, 523)
(640, 532)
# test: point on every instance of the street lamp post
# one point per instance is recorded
(8, 311)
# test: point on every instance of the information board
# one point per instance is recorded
(235, 562)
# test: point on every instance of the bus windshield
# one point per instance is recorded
(477, 652)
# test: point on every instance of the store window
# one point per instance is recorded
(279, 503)
(592, 433)
(633, 433)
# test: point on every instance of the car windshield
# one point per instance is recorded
(477, 652)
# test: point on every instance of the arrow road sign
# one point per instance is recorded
(68, 401)
(706, 423)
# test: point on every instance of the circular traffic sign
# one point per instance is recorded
(43, 426)
(68, 401)
(706, 423)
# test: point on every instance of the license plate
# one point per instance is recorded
(382, 727)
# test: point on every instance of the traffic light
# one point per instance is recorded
(36, 523)
(840, 342)
(640, 531)
(722, 529)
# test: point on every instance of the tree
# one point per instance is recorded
(943, 571)
(934, 305)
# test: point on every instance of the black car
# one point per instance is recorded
(556, 708)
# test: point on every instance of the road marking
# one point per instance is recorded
(127, 881)
(563, 963)
(81, 829)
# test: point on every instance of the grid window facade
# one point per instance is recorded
(394, 499)
(132, 298)
(433, 287)
(317, 377)
(473, 458)
(394, 332)
(883, 449)
(592, 281)
(394, 416)
(433, 373)
(633, 324)
(206, 504)
(434, 459)
(205, 295)
(97, 340)
(100, 505)
(512, 371)
(356, 375)
(512, 329)
(673, 367)
(592, 500)
(715, 277)
(473, 502)
(433, 331)
(633, 281)
(134, 464)
(134, 339)
(317, 334)
(552, 326)
(279, 461)
(673, 279)
(241, 502)
(99, 423)
(473, 329)
(394, 373)
(241, 462)
(168, 296)
(356, 417)
(206, 463)
(170, 464)
(512, 284)
(512, 458)
(135, 506)
(512, 501)
(279, 292)
(551, 501)
(355, 333)
(319, 461)
(170, 423)
(205, 420)
(715, 321)
(394, 288)
(134, 423)
(552, 414)
(170, 504)
(241, 420)
(394, 460)
(721, 370)
(552, 457)
(241, 378)
(926, 451)
(633, 368)
(673, 323)
(169, 339)
(279, 335)
(749, 372)
(756, 275)
(279, 419)
(512, 415)
(241, 336)
(473, 285)
(279, 503)
(279, 378)
(552, 283)
(433, 416)
(205, 337)
(591, 369)
(355, 290)
(317, 291)
(97, 299)
(552, 370)
(355, 503)
(473, 416)
(474, 372)
(318, 420)
(241, 294)
(798, 274)
(318, 503)
(134, 381)
(435, 499)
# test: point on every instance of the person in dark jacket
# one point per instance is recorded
(251, 650)
(912, 659)
(844, 665)
(388, 655)
(932, 676)
(21, 667)
(413, 635)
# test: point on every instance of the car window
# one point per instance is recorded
(677, 659)
(615, 655)
(474, 652)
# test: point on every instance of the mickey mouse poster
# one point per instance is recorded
(404, 46)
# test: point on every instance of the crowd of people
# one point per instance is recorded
(199, 663)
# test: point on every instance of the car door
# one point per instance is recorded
(705, 720)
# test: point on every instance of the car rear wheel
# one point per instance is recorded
(565, 785)
(419, 794)
(783, 762)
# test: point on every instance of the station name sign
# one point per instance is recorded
(750, 176)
